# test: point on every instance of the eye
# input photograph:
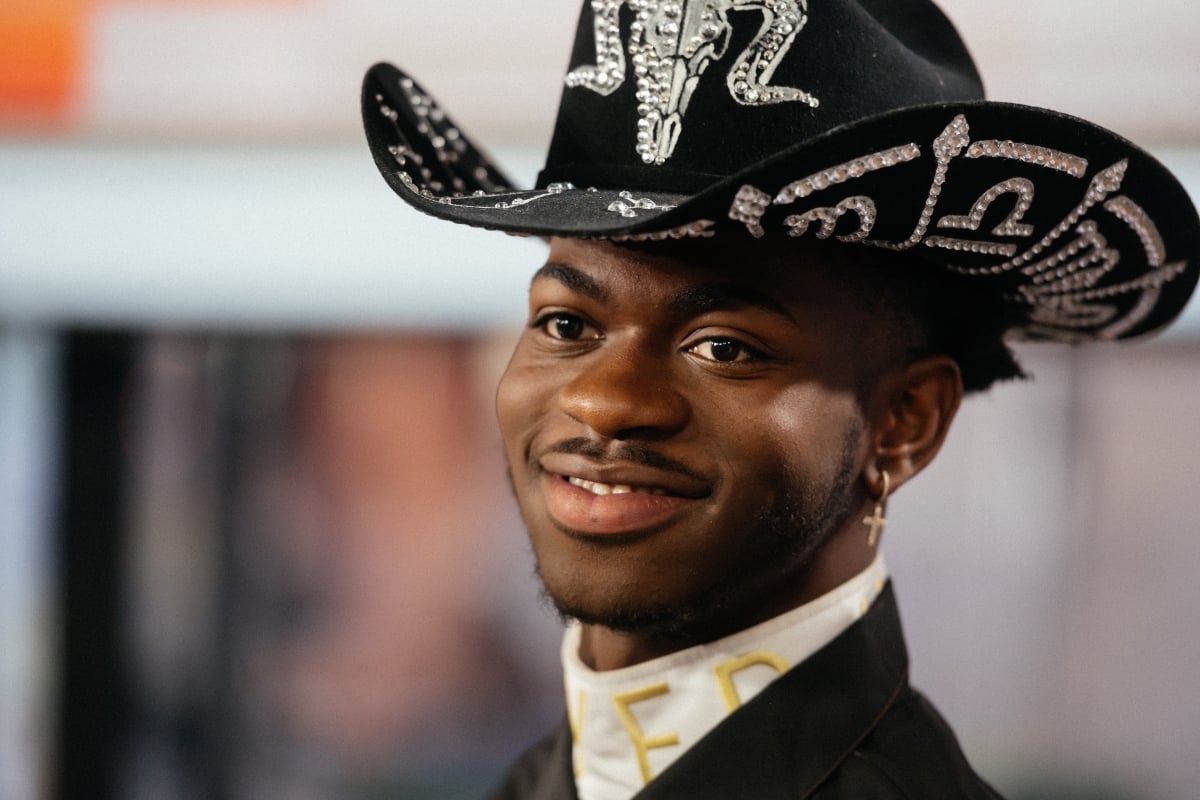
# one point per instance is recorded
(566, 327)
(723, 350)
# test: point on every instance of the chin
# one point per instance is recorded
(626, 609)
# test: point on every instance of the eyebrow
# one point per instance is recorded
(722, 296)
(573, 279)
(690, 302)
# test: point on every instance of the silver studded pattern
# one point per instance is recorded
(749, 80)
(1064, 291)
(450, 149)
(521, 199)
(1011, 226)
(629, 206)
(608, 73)
(864, 207)
(971, 246)
(671, 44)
(1060, 315)
(1065, 294)
(1136, 218)
(1153, 280)
(446, 140)
(1059, 267)
(749, 205)
(1103, 184)
(1139, 312)
(700, 229)
(1073, 165)
(1060, 287)
(847, 171)
(948, 145)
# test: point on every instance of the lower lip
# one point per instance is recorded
(581, 511)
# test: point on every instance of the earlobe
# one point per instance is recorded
(915, 422)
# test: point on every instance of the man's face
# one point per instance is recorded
(685, 428)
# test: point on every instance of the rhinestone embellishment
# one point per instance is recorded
(1132, 215)
(952, 141)
(749, 205)
(1074, 166)
(833, 176)
(1011, 226)
(1067, 279)
(700, 229)
(671, 44)
(628, 205)
(453, 158)
(864, 207)
(520, 199)
(1064, 289)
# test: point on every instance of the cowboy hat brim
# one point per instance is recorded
(1088, 232)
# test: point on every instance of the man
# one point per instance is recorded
(784, 241)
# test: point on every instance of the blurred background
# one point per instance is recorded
(255, 540)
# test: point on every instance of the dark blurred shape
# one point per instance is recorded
(293, 570)
(93, 704)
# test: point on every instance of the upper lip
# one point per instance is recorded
(623, 473)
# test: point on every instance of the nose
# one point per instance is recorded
(626, 393)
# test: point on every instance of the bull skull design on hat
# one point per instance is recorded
(672, 43)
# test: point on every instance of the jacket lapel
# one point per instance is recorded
(794, 734)
(544, 772)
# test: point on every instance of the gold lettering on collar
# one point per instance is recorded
(575, 720)
(727, 669)
(643, 744)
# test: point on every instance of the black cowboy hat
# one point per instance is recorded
(862, 120)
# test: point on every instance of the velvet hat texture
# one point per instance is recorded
(859, 120)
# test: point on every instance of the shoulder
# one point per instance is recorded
(543, 772)
(911, 753)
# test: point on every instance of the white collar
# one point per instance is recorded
(630, 724)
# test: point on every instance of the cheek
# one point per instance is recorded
(804, 430)
(521, 400)
(805, 414)
(510, 405)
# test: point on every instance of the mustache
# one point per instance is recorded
(631, 452)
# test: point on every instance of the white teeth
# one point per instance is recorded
(597, 488)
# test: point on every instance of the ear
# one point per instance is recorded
(912, 421)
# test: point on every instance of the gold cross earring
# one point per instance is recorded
(876, 520)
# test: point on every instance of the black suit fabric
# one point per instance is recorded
(842, 725)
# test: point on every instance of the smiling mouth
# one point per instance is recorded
(621, 506)
(602, 489)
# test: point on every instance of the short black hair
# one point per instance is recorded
(970, 325)
(938, 312)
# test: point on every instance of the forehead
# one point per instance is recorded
(799, 281)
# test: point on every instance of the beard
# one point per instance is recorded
(785, 537)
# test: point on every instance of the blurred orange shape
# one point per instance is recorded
(40, 59)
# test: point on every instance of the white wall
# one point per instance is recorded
(283, 71)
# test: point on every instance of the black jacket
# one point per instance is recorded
(842, 725)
